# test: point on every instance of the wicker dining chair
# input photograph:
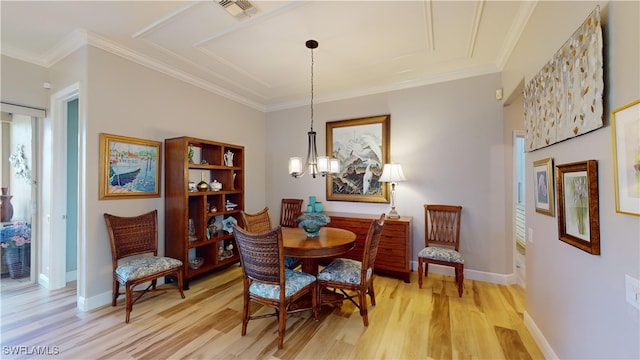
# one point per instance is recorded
(267, 281)
(257, 222)
(290, 209)
(134, 254)
(354, 279)
(261, 222)
(442, 241)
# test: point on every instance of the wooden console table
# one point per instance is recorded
(395, 244)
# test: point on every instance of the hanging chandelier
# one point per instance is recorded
(315, 164)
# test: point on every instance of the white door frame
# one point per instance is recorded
(54, 193)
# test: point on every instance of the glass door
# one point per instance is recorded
(18, 132)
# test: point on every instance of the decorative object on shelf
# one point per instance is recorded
(228, 158)
(225, 252)
(230, 205)
(195, 263)
(6, 208)
(190, 154)
(204, 162)
(363, 144)
(543, 186)
(202, 185)
(625, 127)
(129, 167)
(578, 208)
(392, 173)
(315, 164)
(212, 229)
(192, 231)
(312, 222)
(18, 161)
(216, 186)
(227, 224)
(314, 206)
(192, 186)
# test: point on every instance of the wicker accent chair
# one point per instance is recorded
(290, 209)
(267, 281)
(261, 222)
(442, 241)
(138, 235)
(354, 279)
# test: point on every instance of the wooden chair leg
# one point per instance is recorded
(372, 295)
(180, 283)
(282, 323)
(116, 291)
(363, 307)
(245, 313)
(460, 278)
(420, 265)
(129, 301)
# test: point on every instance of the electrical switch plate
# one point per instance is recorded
(632, 291)
(530, 235)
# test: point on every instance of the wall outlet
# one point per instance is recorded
(632, 291)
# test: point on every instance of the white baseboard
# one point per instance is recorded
(94, 302)
(539, 338)
(494, 278)
(71, 276)
(43, 280)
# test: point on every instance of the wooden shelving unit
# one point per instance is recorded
(217, 249)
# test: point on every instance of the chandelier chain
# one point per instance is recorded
(312, 62)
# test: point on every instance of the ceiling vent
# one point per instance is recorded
(238, 7)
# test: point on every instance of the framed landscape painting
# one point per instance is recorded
(362, 146)
(578, 207)
(129, 167)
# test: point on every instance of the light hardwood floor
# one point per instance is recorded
(407, 323)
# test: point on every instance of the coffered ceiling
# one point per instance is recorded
(260, 59)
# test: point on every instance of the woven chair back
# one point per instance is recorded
(258, 222)
(290, 209)
(133, 235)
(261, 254)
(371, 244)
(442, 224)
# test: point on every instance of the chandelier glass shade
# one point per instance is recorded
(315, 165)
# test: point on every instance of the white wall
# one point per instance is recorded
(577, 300)
(448, 138)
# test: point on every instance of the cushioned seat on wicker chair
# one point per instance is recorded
(354, 278)
(266, 281)
(442, 241)
(134, 254)
(261, 222)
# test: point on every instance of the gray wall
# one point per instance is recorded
(577, 300)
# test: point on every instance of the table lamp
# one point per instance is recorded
(392, 173)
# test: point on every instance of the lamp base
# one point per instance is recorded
(393, 214)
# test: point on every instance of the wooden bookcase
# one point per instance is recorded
(201, 207)
(395, 243)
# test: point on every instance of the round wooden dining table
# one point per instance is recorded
(330, 242)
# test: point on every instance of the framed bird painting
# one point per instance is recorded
(362, 146)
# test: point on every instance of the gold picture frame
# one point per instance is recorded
(362, 146)
(625, 131)
(129, 167)
(543, 187)
(578, 209)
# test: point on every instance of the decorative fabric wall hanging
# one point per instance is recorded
(564, 99)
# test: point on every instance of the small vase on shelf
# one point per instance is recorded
(6, 208)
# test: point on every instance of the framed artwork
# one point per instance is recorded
(578, 213)
(129, 167)
(543, 186)
(625, 128)
(362, 146)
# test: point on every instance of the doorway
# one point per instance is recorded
(519, 221)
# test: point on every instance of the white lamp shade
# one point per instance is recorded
(334, 166)
(323, 164)
(392, 173)
(295, 165)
